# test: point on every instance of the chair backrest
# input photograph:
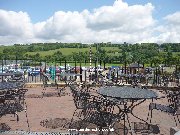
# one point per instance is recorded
(11, 94)
(174, 100)
(80, 99)
(101, 111)
(45, 78)
(173, 106)
(2, 97)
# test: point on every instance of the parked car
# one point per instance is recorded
(2, 71)
(25, 68)
(77, 69)
(148, 70)
(58, 70)
(97, 69)
(47, 69)
(33, 71)
(62, 68)
(12, 69)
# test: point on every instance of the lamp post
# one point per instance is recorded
(90, 60)
(16, 62)
(65, 65)
(80, 72)
(75, 67)
(90, 57)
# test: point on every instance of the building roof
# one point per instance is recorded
(135, 65)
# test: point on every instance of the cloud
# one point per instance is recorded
(173, 18)
(170, 31)
(60, 24)
(121, 17)
(117, 23)
(15, 26)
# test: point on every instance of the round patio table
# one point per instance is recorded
(124, 95)
(6, 74)
(8, 85)
(127, 93)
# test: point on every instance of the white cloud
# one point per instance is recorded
(117, 23)
(170, 31)
(122, 17)
(173, 18)
(15, 26)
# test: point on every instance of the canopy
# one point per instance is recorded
(135, 65)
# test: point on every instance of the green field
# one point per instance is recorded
(64, 51)
(69, 51)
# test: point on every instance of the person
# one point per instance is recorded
(113, 76)
(90, 77)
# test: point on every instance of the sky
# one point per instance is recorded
(89, 21)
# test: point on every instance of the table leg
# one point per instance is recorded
(124, 124)
(129, 124)
(131, 110)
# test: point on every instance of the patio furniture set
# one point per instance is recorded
(113, 105)
(109, 111)
(12, 96)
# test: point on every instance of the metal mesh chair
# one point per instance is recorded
(21, 94)
(2, 102)
(12, 104)
(93, 110)
(45, 79)
(173, 107)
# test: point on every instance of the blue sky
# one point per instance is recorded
(40, 10)
(159, 20)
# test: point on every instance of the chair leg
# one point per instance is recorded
(124, 119)
(147, 117)
(178, 119)
(129, 124)
(17, 116)
(151, 116)
(25, 109)
(175, 120)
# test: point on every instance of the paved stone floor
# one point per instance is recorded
(53, 113)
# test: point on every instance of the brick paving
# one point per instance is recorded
(41, 110)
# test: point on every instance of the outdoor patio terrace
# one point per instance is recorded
(53, 113)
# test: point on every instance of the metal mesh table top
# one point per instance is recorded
(6, 74)
(10, 74)
(8, 85)
(127, 93)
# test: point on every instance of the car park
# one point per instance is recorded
(62, 68)
(25, 68)
(97, 69)
(33, 71)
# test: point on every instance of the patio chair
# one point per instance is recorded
(21, 94)
(2, 97)
(18, 80)
(45, 79)
(12, 105)
(60, 90)
(96, 111)
(145, 128)
(110, 84)
(2, 102)
(173, 107)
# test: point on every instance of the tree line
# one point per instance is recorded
(144, 53)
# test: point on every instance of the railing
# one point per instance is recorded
(114, 75)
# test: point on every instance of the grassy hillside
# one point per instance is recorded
(68, 51)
